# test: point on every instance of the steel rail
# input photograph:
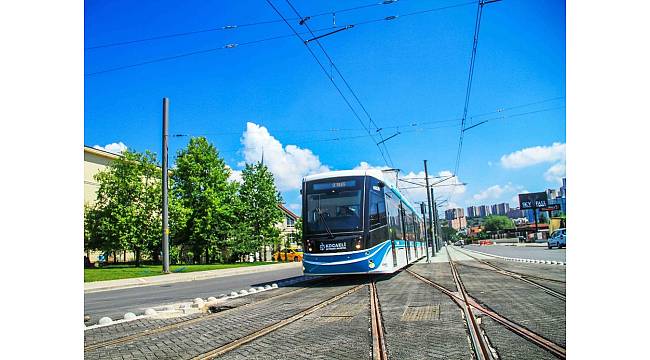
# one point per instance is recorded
(169, 327)
(262, 332)
(518, 276)
(179, 324)
(378, 339)
(478, 341)
(523, 332)
(527, 276)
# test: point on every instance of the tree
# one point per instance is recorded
(543, 219)
(259, 207)
(127, 213)
(206, 200)
(448, 233)
(497, 223)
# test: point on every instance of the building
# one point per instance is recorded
(458, 223)
(484, 211)
(472, 212)
(515, 213)
(95, 160)
(503, 208)
(451, 214)
(287, 226)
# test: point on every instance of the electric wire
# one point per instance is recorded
(371, 121)
(235, 45)
(227, 27)
(326, 74)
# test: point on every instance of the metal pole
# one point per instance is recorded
(436, 221)
(426, 176)
(426, 231)
(165, 175)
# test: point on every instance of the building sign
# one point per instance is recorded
(533, 200)
(552, 207)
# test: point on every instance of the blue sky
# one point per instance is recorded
(273, 94)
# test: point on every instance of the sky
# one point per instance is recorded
(272, 97)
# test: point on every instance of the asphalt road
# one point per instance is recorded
(522, 252)
(115, 303)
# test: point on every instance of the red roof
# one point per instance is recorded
(288, 212)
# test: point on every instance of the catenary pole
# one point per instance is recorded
(423, 210)
(433, 246)
(165, 175)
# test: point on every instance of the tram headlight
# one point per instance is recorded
(357, 246)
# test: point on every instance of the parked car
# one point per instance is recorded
(459, 243)
(557, 239)
(291, 254)
(486, 242)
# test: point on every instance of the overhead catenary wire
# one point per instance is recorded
(327, 75)
(370, 120)
(235, 45)
(228, 27)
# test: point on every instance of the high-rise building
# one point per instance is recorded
(503, 208)
(451, 214)
(484, 211)
(494, 210)
(516, 213)
(472, 211)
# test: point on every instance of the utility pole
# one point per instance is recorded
(426, 230)
(165, 175)
(426, 176)
(436, 221)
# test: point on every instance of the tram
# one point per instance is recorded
(354, 222)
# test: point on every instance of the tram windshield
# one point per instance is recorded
(334, 207)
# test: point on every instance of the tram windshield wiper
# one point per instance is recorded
(322, 218)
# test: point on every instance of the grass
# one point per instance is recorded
(113, 272)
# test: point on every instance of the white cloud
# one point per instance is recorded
(295, 207)
(115, 148)
(289, 164)
(235, 175)
(496, 193)
(534, 155)
(556, 172)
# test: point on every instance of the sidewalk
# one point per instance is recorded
(97, 286)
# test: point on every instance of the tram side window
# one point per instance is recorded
(395, 225)
(377, 210)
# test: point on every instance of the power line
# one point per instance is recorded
(227, 27)
(326, 74)
(371, 121)
(235, 45)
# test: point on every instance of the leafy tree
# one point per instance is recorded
(448, 233)
(205, 200)
(497, 223)
(127, 213)
(543, 219)
(259, 208)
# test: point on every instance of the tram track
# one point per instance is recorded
(273, 327)
(522, 277)
(464, 300)
(184, 323)
(379, 351)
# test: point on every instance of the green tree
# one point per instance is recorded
(126, 214)
(259, 208)
(448, 233)
(497, 223)
(205, 200)
(543, 219)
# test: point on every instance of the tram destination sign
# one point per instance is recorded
(533, 200)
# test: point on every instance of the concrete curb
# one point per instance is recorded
(533, 261)
(197, 305)
(98, 286)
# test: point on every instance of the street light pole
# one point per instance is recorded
(165, 175)
(430, 235)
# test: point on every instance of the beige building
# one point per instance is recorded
(287, 226)
(95, 160)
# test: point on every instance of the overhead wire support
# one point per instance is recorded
(326, 73)
(329, 33)
(370, 120)
(388, 138)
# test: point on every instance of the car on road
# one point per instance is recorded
(459, 243)
(292, 254)
(557, 239)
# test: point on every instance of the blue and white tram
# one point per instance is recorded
(354, 222)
